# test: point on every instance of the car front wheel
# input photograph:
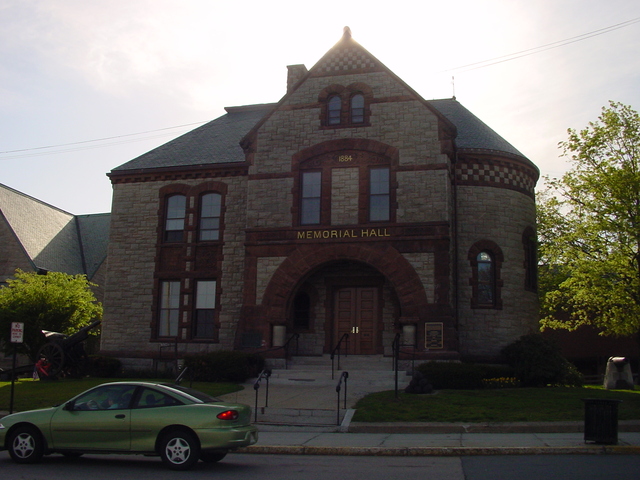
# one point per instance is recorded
(179, 449)
(26, 445)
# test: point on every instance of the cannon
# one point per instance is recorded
(62, 354)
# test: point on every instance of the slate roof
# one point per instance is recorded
(215, 142)
(473, 133)
(52, 238)
(218, 141)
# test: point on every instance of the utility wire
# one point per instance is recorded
(82, 145)
(542, 48)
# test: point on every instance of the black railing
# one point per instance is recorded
(286, 346)
(296, 337)
(396, 348)
(266, 373)
(336, 351)
(344, 376)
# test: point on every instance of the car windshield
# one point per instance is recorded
(202, 397)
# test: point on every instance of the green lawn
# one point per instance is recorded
(31, 394)
(500, 405)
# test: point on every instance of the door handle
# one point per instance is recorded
(120, 416)
(355, 329)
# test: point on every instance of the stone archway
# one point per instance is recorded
(387, 260)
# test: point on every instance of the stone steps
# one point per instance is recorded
(312, 375)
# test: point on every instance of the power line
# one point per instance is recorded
(83, 145)
(464, 68)
(542, 48)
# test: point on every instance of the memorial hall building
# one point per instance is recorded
(351, 206)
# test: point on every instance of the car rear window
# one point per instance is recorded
(203, 397)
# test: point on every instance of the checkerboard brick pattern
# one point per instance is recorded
(496, 173)
(344, 60)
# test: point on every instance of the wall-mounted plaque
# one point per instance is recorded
(433, 333)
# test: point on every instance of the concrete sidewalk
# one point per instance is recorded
(402, 439)
(437, 444)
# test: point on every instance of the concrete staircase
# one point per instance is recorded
(313, 402)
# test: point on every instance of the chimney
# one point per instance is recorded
(294, 74)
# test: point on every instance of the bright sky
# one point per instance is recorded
(75, 71)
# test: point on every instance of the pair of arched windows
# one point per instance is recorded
(335, 109)
(210, 211)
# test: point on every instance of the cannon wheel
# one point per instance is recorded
(54, 354)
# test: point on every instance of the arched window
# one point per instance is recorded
(357, 108)
(334, 110)
(210, 209)
(486, 279)
(486, 260)
(175, 215)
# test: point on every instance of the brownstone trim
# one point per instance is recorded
(325, 156)
(307, 258)
(176, 174)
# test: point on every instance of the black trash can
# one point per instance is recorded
(601, 420)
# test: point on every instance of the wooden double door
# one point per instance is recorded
(357, 312)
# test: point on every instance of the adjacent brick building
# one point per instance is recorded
(351, 206)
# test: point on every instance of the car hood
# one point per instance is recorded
(32, 416)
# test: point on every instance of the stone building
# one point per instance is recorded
(351, 206)
(38, 237)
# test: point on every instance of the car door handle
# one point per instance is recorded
(120, 416)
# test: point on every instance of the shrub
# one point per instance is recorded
(461, 376)
(104, 367)
(223, 366)
(537, 362)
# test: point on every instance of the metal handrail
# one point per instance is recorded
(395, 347)
(266, 373)
(285, 347)
(344, 377)
(337, 349)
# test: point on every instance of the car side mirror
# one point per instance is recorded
(69, 406)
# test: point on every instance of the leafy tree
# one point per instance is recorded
(55, 302)
(589, 228)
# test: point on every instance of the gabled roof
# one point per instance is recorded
(218, 142)
(53, 239)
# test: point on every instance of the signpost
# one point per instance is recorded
(17, 336)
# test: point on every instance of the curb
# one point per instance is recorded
(439, 451)
(506, 428)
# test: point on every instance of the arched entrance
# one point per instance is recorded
(365, 291)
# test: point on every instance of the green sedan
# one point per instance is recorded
(180, 424)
